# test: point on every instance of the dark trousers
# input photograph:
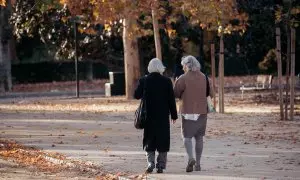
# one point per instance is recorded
(161, 160)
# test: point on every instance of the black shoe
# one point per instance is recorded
(190, 166)
(159, 170)
(197, 168)
(150, 168)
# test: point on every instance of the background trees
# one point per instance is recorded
(254, 43)
(288, 18)
(222, 17)
(43, 31)
(126, 11)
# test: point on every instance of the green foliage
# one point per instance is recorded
(213, 15)
(288, 12)
(44, 20)
(259, 37)
(45, 31)
(50, 28)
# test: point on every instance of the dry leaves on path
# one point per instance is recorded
(54, 162)
(29, 156)
(51, 162)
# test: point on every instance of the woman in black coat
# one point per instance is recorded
(160, 103)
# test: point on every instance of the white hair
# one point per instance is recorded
(156, 65)
(191, 63)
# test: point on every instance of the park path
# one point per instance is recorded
(235, 146)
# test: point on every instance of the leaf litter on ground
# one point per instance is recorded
(52, 162)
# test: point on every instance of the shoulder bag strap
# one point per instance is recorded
(144, 89)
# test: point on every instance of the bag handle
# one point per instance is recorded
(144, 89)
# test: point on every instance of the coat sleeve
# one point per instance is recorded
(179, 87)
(138, 93)
(172, 102)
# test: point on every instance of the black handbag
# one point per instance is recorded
(140, 113)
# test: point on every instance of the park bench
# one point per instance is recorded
(263, 82)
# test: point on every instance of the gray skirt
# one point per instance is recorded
(194, 128)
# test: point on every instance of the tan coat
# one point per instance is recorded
(191, 89)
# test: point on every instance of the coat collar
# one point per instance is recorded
(154, 74)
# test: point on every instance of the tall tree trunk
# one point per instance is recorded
(76, 58)
(4, 48)
(156, 35)
(2, 69)
(288, 58)
(5, 37)
(8, 82)
(131, 58)
(89, 70)
(201, 42)
(292, 81)
(221, 76)
(279, 69)
(213, 70)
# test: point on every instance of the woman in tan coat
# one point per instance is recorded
(191, 88)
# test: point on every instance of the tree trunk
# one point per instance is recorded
(156, 34)
(8, 81)
(201, 42)
(221, 76)
(213, 70)
(279, 69)
(131, 58)
(76, 57)
(288, 57)
(2, 69)
(5, 37)
(89, 72)
(292, 81)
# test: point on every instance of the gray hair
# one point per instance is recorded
(191, 63)
(156, 65)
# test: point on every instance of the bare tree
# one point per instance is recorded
(292, 81)
(156, 34)
(279, 69)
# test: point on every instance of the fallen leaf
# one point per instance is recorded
(279, 168)
(260, 129)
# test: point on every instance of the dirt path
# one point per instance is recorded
(246, 142)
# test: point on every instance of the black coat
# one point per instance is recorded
(160, 102)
